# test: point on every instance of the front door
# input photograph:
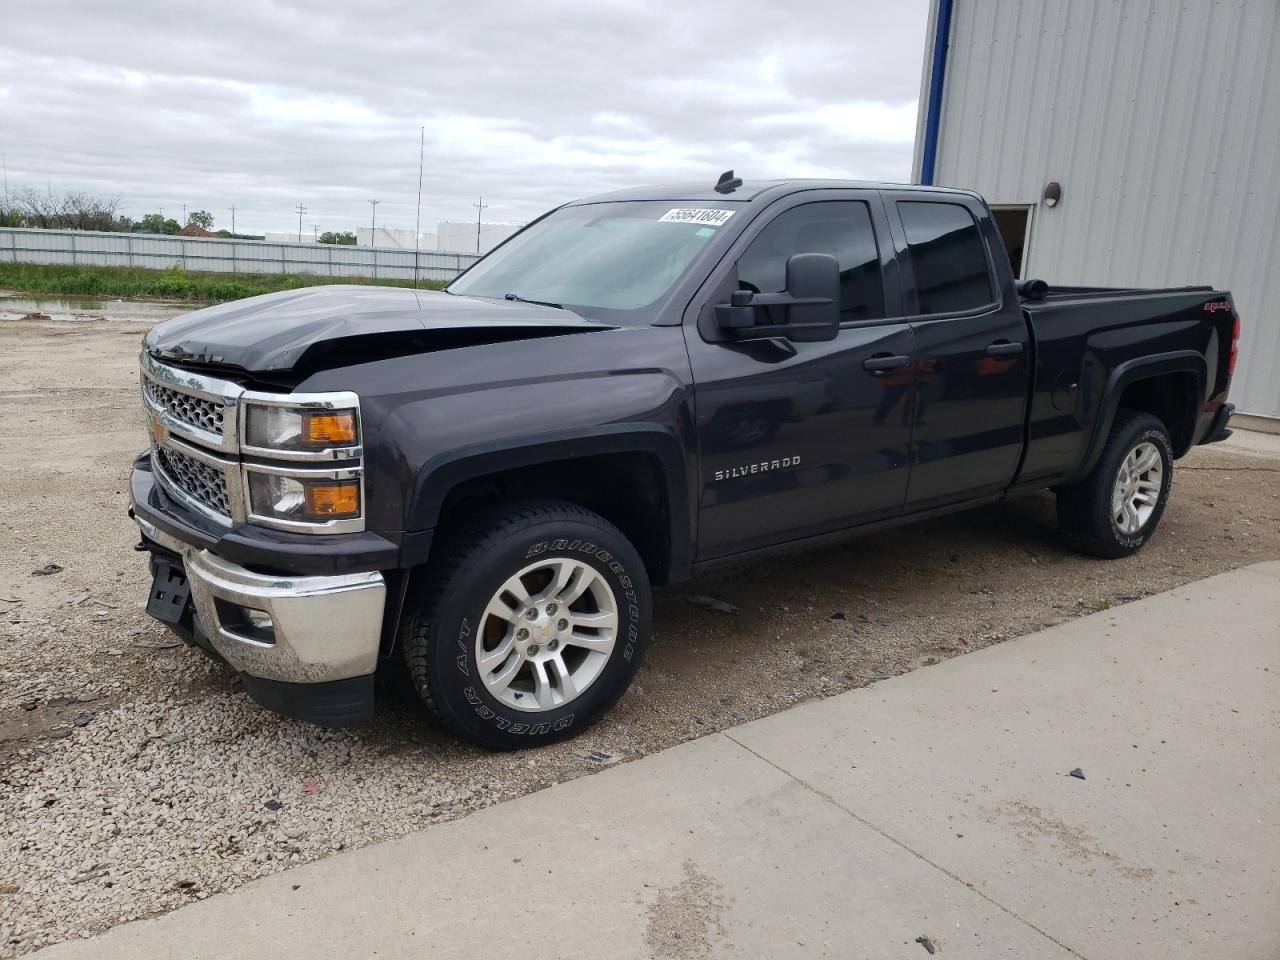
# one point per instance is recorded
(972, 349)
(800, 438)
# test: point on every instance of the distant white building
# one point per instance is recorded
(308, 237)
(448, 236)
(387, 238)
(461, 237)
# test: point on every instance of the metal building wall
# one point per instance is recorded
(1161, 120)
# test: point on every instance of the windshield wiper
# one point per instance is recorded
(519, 299)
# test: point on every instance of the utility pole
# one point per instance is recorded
(315, 232)
(233, 219)
(479, 210)
(373, 226)
(301, 210)
(184, 214)
(417, 223)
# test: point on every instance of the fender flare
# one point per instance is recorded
(442, 473)
(1129, 372)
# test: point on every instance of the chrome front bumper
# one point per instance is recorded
(323, 628)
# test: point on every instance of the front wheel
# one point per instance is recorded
(1117, 507)
(530, 626)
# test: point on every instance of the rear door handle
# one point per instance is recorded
(1003, 348)
(884, 363)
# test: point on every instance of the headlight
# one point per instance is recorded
(300, 429)
(297, 499)
(301, 461)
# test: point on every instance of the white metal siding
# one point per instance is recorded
(1160, 119)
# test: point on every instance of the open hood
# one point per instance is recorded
(335, 325)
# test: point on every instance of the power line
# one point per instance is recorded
(479, 210)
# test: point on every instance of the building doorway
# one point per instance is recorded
(1014, 223)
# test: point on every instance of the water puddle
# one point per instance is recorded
(16, 306)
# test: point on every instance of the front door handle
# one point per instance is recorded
(883, 363)
(1004, 348)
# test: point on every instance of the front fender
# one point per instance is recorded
(441, 442)
(445, 472)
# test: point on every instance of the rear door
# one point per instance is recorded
(972, 349)
(800, 438)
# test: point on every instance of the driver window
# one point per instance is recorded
(841, 228)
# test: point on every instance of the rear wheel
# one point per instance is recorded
(531, 625)
(1117, 507)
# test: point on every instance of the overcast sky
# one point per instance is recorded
(265, 104)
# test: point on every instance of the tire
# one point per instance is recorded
(558, 680)
(1085, 510)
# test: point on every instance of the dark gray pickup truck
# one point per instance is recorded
(484, 482)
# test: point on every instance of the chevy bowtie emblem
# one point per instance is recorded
(155, 427)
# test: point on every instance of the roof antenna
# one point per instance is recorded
(728, 182)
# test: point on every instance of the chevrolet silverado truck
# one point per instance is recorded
(485, 482)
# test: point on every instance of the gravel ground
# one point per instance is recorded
(135, 777)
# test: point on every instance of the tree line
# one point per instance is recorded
(83, 211)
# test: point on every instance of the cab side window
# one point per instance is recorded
(841, 228)
(947, 255)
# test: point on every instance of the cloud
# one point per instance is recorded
(270, 103)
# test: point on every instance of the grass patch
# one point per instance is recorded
(171, 284)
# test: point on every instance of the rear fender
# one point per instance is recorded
(1130, 372)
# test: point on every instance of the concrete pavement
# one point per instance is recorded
(937, 804)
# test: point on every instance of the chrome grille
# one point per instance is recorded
(205, 484)
(194, 411)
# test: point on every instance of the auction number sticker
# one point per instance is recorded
(703, 216)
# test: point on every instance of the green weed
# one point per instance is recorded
(174, 283)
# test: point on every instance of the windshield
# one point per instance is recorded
(605, 260)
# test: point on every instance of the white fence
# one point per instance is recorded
(211, 255)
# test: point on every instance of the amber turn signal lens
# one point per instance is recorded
(332, 499)
(331, 428)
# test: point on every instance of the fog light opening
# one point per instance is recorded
(247, 622)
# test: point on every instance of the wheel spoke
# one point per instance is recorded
(515, 586)
(605, 620)
(565, 572)
(584, 579)
(600, 644)
(542, 691)
(1131, 516)
(491, 660)
(498, 682)
(564, 679)
(498, 608)
(1147, 460)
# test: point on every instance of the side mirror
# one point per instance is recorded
(811, 300)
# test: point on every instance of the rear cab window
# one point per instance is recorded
(948, 257)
